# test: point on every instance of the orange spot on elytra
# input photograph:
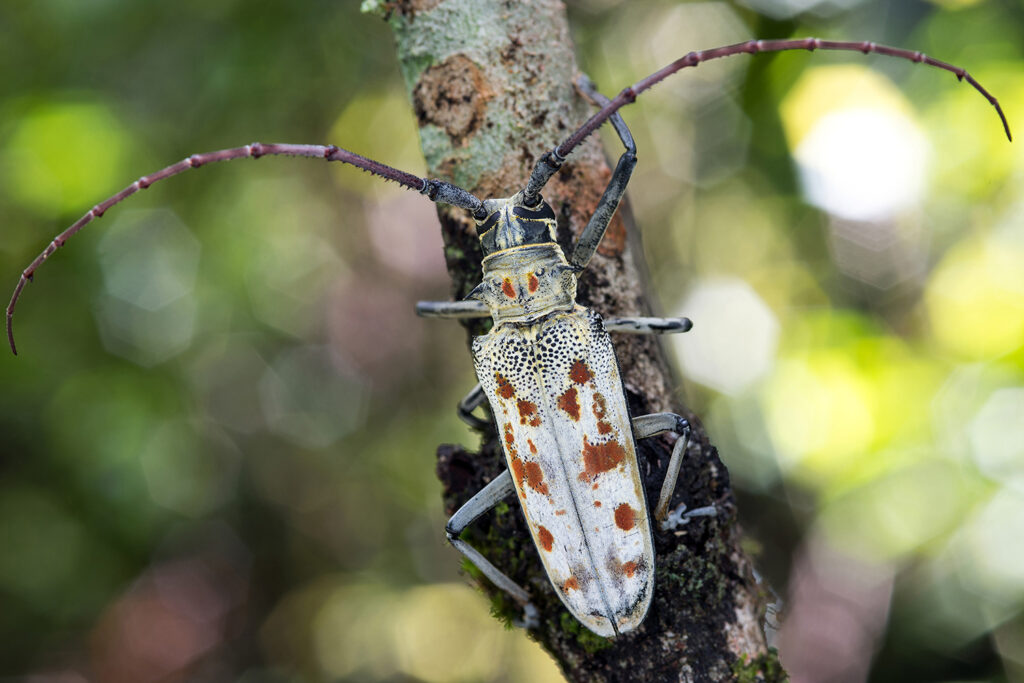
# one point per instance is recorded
(597, 503)
(518, 468)
(600, 409)
(580, 373)
(569, 403)
(629, 568)
(526, 410)
(571, 585)
(625, 517)
(508, 289)
(559, 512)
(525, 473)
(518, 471)
(533, 283)
(533, 447)
(505, 388)
(535, 478)
(545, 538)
(600, 457)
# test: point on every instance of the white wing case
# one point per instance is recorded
(556, 394)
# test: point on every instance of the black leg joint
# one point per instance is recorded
(429, 189)
(546, 166)
(682, 425)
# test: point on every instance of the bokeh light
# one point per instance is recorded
(217, 449)
(740, 348)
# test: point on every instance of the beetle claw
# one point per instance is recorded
(531, 617)
(681, 516)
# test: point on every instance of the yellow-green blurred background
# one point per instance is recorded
(217, 444)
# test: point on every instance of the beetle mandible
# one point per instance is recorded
(547, 368)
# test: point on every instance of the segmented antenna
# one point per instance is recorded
(436, 190)
(628, 95)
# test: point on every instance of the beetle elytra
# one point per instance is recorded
(547, 367)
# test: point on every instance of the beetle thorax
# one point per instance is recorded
(526, 275)
(526, 283)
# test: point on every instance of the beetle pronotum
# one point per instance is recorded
(547, 368)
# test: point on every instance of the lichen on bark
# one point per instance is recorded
(492, 86)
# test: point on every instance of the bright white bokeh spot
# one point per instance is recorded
(863, 163)
(734, 337)
(997, 437)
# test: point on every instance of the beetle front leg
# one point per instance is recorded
(658, 423)
(460, 310)
(592, 235)
(452, 309)
(485, 500)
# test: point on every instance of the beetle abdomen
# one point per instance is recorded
(556, 394)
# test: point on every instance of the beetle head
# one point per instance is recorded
(526, 275)
(510, 223)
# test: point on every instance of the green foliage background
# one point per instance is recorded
(216, 446)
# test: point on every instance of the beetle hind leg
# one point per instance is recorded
(681, 516)
(658, 423)
(485, 500)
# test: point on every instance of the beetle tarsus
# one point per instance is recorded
(531, 617)
(681, 516)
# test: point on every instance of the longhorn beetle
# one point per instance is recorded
(547, 367)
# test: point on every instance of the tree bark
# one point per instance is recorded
(492, 86)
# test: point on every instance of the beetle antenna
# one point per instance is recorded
(628, 95)
(435, 190)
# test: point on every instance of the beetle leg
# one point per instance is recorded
(452, 309)
(473, 400)
(681, 515)
(460, 309)
(658, 423)
(485, 500)
(635, 325)
(592, 235)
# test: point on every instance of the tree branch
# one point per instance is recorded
(492, 86)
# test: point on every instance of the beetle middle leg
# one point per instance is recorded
(489, 496)
(658, 423)
(475, 309)
(639, 325)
